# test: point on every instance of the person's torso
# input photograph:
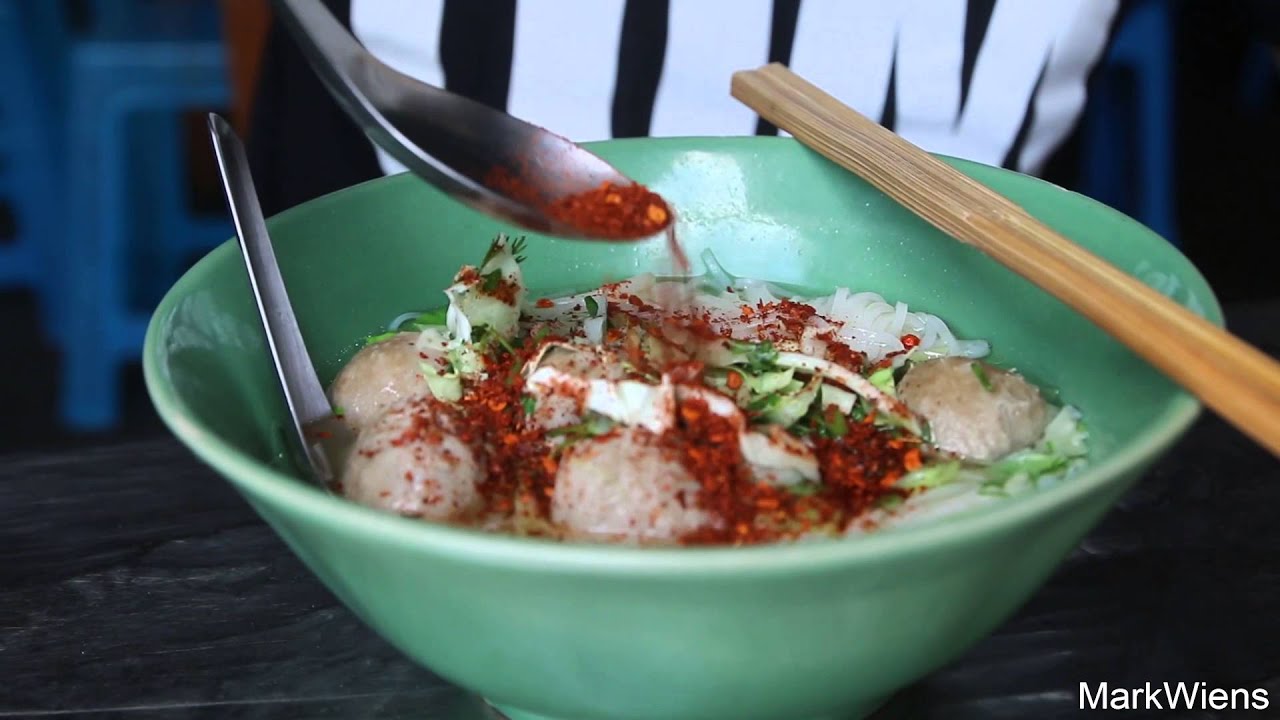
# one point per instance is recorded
(997, 81)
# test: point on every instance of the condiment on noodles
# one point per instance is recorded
(738, 418)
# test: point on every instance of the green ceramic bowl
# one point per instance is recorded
(594, 633)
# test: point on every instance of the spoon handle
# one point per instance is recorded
(302, 390)
(1241, 383)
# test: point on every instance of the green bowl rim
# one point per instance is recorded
(258, 479)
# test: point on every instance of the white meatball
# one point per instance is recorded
(623, 487)
(969, 419)
(409, 462)
(378, 376)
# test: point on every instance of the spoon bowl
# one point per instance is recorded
(460, 146)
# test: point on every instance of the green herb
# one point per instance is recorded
(759, 357)
(430, 318)
(491, 280)
(505, 343)
(338, 411)
(1032, 464)
(513, 375)
(889, 502)
(542, 333)
(763, 403)
(494, 248)
(591, 426)
(372, 339)
(860, 411)
(530, 403)
(837, 427)
(981, 373)
(593, 307)
(486, 337)
(805, 489)
(822, 422)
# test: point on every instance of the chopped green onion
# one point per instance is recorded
(530, 403)
(338, 411)
(981, 373)
(374, 339)
(593, 307)
(805, 489)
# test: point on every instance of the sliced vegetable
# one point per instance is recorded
(980, 372)
(882, 379)
(789, 408)
(1029, 463)
(842, 400)
(470, 301)
(444, 387)
(931, 476)
(758, 358)
(889, 408)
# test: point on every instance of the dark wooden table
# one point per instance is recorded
(134, 583)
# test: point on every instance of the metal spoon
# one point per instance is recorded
(448, 140)
(319, 435)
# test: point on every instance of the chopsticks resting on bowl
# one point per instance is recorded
(1236, 380)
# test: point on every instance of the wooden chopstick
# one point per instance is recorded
(1236, 380)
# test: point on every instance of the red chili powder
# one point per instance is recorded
(609, 210)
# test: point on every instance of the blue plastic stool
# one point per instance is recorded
(126, 73)
(1128, 150)
(27, 163)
